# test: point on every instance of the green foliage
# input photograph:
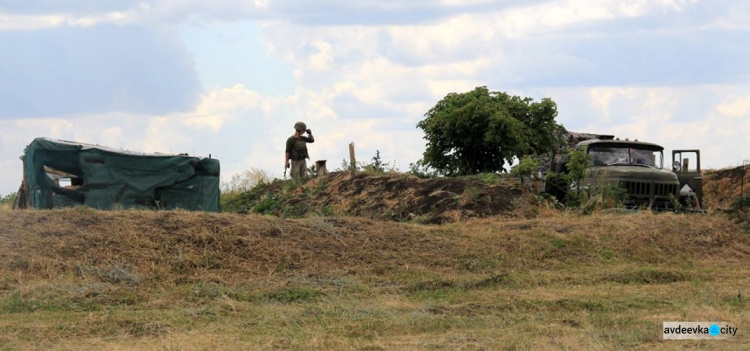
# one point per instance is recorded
(578, 164)
(227, 200)
(739, 210)
(605, 195)
(269, 204)
(527, 167)
(490, 179)
(421, 170)
(480, 131)
(346, 166)
(7, 201)
(588, 192)
(245, 180)
(377, 166)
(272, 198)
(244, 201)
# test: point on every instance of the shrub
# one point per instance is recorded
(739, 210)
(6, 202)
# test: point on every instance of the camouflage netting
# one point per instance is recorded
(106, 178)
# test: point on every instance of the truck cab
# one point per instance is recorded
(636, 166)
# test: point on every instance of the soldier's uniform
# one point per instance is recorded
(296, 147)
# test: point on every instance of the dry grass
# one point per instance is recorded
(723, 187)
(397, 197)
(85, 279)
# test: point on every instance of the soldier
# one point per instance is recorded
(296, 150)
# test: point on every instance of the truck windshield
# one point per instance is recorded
(625, 156)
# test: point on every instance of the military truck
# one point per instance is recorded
(637, 167)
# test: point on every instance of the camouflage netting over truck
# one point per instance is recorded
(61, 173)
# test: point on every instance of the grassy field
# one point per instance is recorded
(137, 280)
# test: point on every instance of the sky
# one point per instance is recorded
(231, 77)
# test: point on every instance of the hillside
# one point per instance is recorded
(398, 197)
(85, 279)
(724, 186)
(402, 197)
(357, 262)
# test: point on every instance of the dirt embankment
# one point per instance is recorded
(722, 188)
(402, 197)
(391, 197)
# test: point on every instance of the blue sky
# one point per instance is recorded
(230, 77)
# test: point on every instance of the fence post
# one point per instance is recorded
(742, 185)
(320, 165)
(352, 160)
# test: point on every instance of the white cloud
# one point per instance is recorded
(464, 2)
(674, 117)
(600, 99)
(321, 60)
(217, 106)
(736, 109)
(542, 18)
(515, 19)
(634, 8)
(441, 41)
(16, 22)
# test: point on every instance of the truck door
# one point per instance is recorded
(687, 165)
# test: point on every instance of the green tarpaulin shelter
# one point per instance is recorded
(60, 173)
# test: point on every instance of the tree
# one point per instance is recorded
(480, 131)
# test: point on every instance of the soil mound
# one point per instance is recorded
(392, 197)
(721, 188)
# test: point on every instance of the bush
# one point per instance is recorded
(245, 180)
(527, 167)
(375, 167)
(245, 201)
(739, 210)
(421, 170)
(598, 194)
(6, 202)
(240, 183)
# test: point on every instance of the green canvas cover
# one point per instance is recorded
(106, 178)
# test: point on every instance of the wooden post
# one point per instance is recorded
(320, 165)
(352, 159)
(742, 185)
